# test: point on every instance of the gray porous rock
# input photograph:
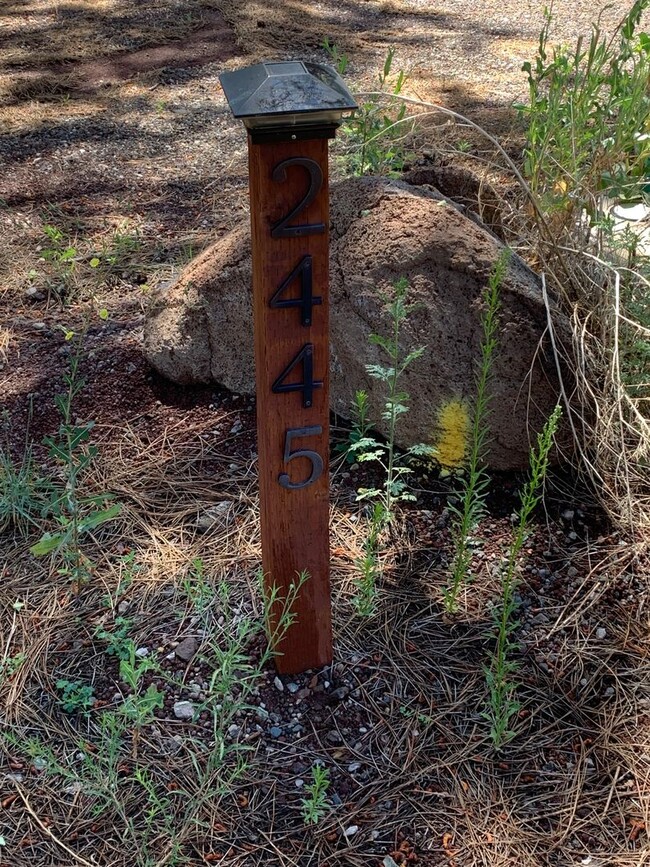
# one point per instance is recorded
(200, 328)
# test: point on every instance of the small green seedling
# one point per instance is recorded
(315, 806)
(75, 696)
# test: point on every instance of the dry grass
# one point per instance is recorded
(573, 783)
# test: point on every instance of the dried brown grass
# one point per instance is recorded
(572, 784)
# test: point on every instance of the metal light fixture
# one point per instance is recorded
(307, 99)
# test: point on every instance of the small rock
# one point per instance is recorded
(184, 710)
(340, 693)
(275, 731)
(278, 684)
(299, 784)
(14, 778)
(123, 607)
(350, 831)
(353, 766)
(233, 730)
(217, 514)
(567, 515)
(293, 687)
(141, 652)
(601, 633)
(39, 763)
(187, 648)
(334, 737)
(33, 294)
(571, 572)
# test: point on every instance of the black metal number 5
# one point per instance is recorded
(314, 457)
(281, 229)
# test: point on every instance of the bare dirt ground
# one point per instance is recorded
(117, 145)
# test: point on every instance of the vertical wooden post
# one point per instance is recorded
(289, 206)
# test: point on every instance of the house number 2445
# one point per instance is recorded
(304, 303)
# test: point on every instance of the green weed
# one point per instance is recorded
(314, 807)
(61, 256)
(75, 696)
(117, 639)
(75, 513)
(374, 136)
(476, 479)
(588, 117)
(394, 466)
(500, 673)
(365, 448)
(23, 490)
(9, 665)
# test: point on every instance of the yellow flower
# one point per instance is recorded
(453, 427)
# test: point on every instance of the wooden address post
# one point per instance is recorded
(291, 109)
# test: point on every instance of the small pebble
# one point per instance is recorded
(14, 778)
(293, 687)
(278, 684)
(275, 731)
(351, 830)
(184, 710)
(601, 633)
(141, 652)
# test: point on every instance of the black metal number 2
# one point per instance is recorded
(281, 229)
(307, 386)
(307, 299)
(314, 457)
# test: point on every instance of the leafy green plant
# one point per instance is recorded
(75, 696)
(374, 135)
(198, 590)
(339, 59)
(9, 665)
(394, 466)
(501, 671)
(314, 807)
(235, 675)
(476, 480)
(138, 707)
(588, 117)
(61, 256)
(75, 513)
(133, 667)
(365, 447)
(119, 255)
(360, 425)
(368, 566)
(23, 490)
(117, 639)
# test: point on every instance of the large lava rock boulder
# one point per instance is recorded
(200, 329)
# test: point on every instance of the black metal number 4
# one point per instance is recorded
(281, 229)
(307, 299)
(307, 386)
(314, 457)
